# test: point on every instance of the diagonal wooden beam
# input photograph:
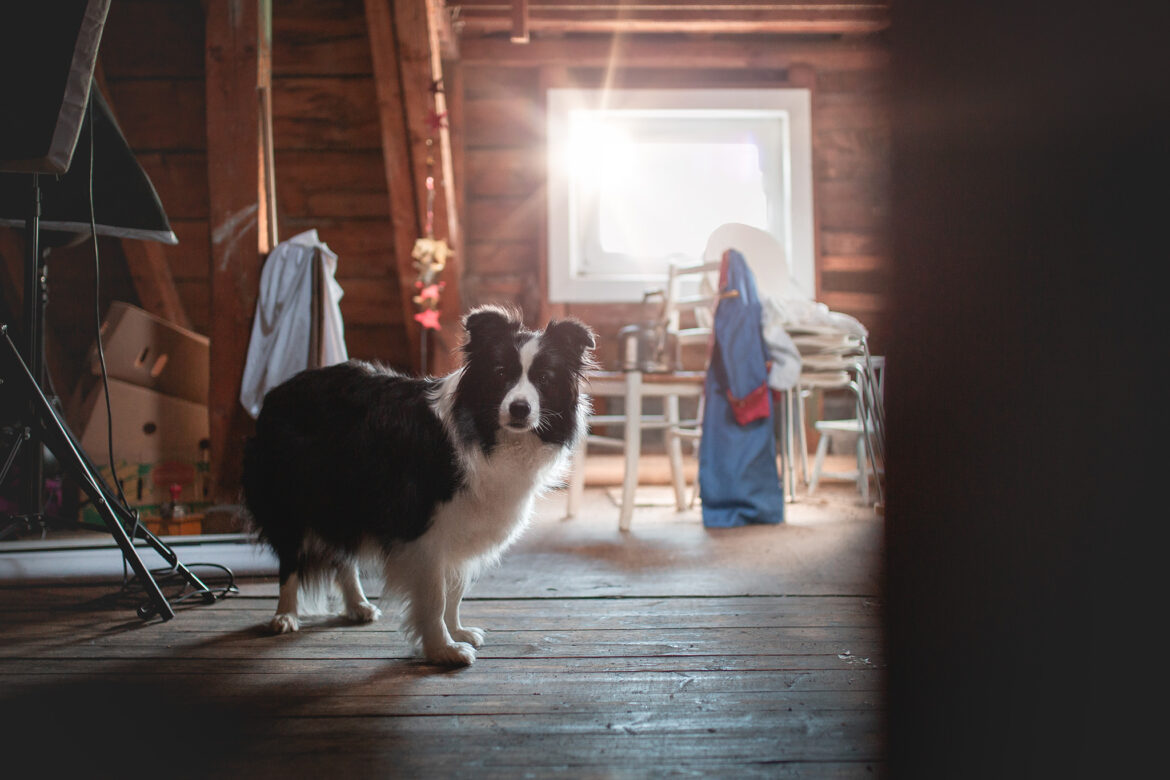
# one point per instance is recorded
(234, 173)
(153, 281)
(420, 65)
(396, 159)
(147, 260)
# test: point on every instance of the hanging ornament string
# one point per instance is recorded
(430, 254)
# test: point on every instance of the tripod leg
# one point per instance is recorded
(60, 441)
(140, 531)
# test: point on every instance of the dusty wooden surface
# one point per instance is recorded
(753, 652)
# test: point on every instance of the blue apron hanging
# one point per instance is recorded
(738, 479)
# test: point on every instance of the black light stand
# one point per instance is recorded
(42, 423)
(58, 48)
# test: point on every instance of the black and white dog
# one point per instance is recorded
(433, 478)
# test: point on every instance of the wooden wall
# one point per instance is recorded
(505, 170)
(328, 162)
(330, 173)
(152, 58)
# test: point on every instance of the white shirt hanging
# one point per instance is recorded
(298, 317)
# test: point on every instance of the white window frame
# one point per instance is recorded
(795, 228)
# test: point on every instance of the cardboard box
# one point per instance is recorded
(144, 350)
(158, 383)
(158, 441)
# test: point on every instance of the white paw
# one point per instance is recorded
(284, 623)
(453, 654)
(472, 636)
(363, 613)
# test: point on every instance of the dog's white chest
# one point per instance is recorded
(496, 501)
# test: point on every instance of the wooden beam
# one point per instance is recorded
(519, 21)
(147, 260)
(269, 236)
(396, 160)
(829, 17)
(153, 281)
(420, 66)
(652, 52)
(234, 154)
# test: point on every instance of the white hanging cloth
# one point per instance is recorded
(298, 317)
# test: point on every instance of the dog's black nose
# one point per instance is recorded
(519, 410)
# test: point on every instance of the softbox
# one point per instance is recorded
(48, 51)
(126, 204)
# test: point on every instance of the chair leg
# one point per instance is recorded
(802, 438)
(674, 451)
(818, 463)
(862, 470)
(576, 480)
(633, 447)
(867, 436)
(879, 416)
(789, 446)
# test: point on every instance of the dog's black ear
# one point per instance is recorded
(489, 322)
(571, 334)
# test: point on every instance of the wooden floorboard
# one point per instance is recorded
(733, 677)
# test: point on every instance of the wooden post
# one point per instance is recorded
(396, 160)
(234, 170)
(519, 21)
(267, 173)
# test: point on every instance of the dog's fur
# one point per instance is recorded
(434, 478)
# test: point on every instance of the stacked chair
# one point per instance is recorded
(854, 428)
(836, 358)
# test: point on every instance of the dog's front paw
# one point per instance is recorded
(284, 623)
(472, 636)
(363, 613)
(452, 654)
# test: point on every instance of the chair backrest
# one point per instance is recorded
(677, 298)
(764, 255)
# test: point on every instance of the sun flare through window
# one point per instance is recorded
(639, 178)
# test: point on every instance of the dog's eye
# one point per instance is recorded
(542, 378)
(499, 370)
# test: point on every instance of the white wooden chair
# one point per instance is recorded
(833, 359)
(857, 428)
(635, 385)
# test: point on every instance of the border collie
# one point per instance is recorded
(431, 477)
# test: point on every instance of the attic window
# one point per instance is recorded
(638, 178)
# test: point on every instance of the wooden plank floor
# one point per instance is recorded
(672, 650)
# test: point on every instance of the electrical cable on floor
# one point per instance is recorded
(167, 574)
(171, 571)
